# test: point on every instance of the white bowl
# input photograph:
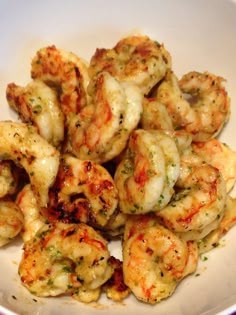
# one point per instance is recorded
(200, 35)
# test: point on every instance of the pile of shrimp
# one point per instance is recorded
(118, 147)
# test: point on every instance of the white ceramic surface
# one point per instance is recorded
(200, 35)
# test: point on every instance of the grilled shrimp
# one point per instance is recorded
(212, 106)
(155, 116)
(229, 219)
(65, 71)
(38, 104)
(8, 178)
(199, 205)
(83, 192)
(136, 59)
(221, 156)
(155, 260)
(207, 109)
(147, 174)
(11, 221)
(33, 218)
(101, 130)
(65, 258)
(22, 144)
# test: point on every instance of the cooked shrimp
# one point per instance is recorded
(101, 130)
(65, 258)
(22, 144)
(155, 116)
(198, 207)
(38, 104)
(33, 219)
(212, 106)
(146, 176)
(221, 156)
(136, 59)
(8, 178)
(155, 260)
(229, 219)
(208, 109)
(83, 192)
(65, 71)
(11, 221)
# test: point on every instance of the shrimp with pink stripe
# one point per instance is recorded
(22, 144)
(66, 258)
(155, 260)
(64, 71)
(101, 130)
(198, 205)
(146, 175)
(33, 218)
(38, 104)
(221, 156)
(197, 103)
(83, 191)
(136, 59)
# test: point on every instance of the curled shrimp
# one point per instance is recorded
(22, 144)
(221, 156)
(8, 178)
(11, 221)
(65, 258)
(136, 59)
(65, 71)
(155, 260)
(229, 219)
(146, 175)
(83, 192)
(38, 104)
(212, 106)
(101, 130)
(206, 111)
(198, 207)
(33, 218)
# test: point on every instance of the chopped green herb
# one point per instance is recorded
(37, 109)
(67, 269)
(50, 282)
(203, 258)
